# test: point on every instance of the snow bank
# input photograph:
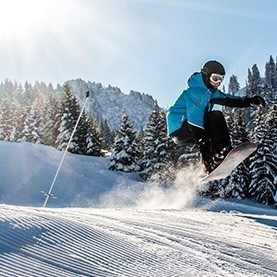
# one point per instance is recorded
(28, 169)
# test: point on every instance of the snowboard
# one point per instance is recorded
(231, 161)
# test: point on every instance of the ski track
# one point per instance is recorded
(111, 242)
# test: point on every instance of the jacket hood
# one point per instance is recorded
(196, 81)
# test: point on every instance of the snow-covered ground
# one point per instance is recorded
(135, 242)
(110, 224)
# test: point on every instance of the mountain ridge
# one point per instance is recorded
(109, 103)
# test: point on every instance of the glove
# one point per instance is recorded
(207, 157)
(257, 100)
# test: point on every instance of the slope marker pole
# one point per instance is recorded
(47, 195)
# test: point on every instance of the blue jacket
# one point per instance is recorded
(193, 102)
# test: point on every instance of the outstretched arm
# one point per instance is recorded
(236, 101)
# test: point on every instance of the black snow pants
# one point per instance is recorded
(215, 129)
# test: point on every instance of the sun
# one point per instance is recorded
(30, 32)
(19, 17)
(68, 37)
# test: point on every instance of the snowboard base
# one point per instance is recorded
(231, 161)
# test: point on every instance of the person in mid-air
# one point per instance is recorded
(191, 117)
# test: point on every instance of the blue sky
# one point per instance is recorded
(151, 46)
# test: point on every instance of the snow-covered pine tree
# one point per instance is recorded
(233, 88)
(263, 168)
(107, 134)
(71, 111)
(93, 139)
(236, 185)
(253, 84)
(37, 125)
(27, 120)
(228, 114)
(58, 116)
(249, 83)
(19, 123)
(30, 128)
(50, 89)
(27, 96)
(125, 153)
(259, 129)
(275, 85)
(82, 135)
(8, 90)
(140, 144)
(36, 90)
(157, 162)
(234, 85)
(186, 155)
(256, 81)
(270, 79)
(253, 87)
(239, 133)
(7, 120)
(50, 119)
(164, 168)
(86, 139)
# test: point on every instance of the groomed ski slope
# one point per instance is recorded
(133, 242)
(120, 226)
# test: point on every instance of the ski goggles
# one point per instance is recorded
(216, 78)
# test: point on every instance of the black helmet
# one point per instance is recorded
(212, 67)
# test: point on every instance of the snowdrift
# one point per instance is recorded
(28, 169)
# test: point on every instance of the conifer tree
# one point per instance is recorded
(253, 85)
(125, 154)
(249, 83)
(275, 85)
(7, 120)
(239, 132)
(263, 169)
(89, 140)
(228, 114)
(94, 141)
(50, 128)
(233, 86)
(157, 161)
(29, 129)
(107, 134)
(27, 120)
(164, 167)
(70, 110)
(19, 123)
(256, 80)
(259, 128)
(27, 97)
(270, 79)
(37, 126)
(236, 185)
(58, 116)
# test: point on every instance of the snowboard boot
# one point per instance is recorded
(209, 165)
(220, 156)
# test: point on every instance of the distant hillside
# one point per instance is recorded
(108, 103)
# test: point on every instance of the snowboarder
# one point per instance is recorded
(192, 118)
